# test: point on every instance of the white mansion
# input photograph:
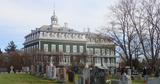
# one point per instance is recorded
(55, 42)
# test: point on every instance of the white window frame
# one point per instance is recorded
(68, 48)
(45, 47)
(81, 48)
(107, 51)
(60, 48)
(97, 51)
(74, 48)
(53, 47)
(103, 52)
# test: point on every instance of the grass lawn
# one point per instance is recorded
(137, 82)
(133, 81)
(6, 78)
(24, 79)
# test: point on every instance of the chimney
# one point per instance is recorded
(65, 25)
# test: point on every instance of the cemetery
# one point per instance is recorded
(80, 74)
(126, 50)
(89, 75)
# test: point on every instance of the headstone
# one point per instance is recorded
(98, 76)
(51, 72)
(54, 72)
(80, 79)
(125, 79)
(37, 69)
(71, 76)
(47, 70)
(153, 81)
(61, 73)
(27, 69)
(145, 74)
(42, 68)
(129, 72)
(86, 76)
(32, 69)
(112, 70)
(11, 69)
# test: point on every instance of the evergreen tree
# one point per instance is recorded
(11, 47)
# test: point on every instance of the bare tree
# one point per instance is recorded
(122, 32)
(152, 8)
(136, 29)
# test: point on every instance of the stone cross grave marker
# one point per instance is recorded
(11, 69)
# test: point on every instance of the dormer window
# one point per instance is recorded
(97, 40)
(102, 40)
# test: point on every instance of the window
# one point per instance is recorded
(90, 50)
(97, 51)
(103, 51)
(81, 49)
(112, 52)
(106, 60)
(99, 60)
(45, 47)
(107, 52)
(74, 48)
(60, 48)
(68, 48)
(52, 35)
(53, 48)
(112, 60)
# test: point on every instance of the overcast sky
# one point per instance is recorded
(18, 17)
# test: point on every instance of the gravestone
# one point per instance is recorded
(153, 81)
(86, 76)
(125, 79)
(47, 71)
(11, 69)
(80, 79)
(61, 74)
(27, 69)
(71, 76)
(51, 70)
(32, 69)
(37, 68)
(112, 71)
(129, 72)
(98, 76)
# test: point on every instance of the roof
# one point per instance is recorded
(48, 28)
(57, 29)
(97, 36)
